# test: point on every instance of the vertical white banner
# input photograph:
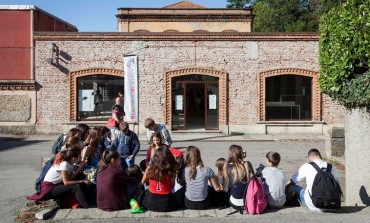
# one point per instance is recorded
(131, 103)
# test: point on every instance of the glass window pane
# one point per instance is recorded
(178, 105)
(288, 97)
(96, 96)
(212, 106)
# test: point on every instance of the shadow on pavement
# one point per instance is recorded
(348, 209)
(9, 142)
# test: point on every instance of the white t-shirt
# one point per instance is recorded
(308, 172)
(54, 174)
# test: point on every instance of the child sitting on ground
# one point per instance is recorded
(274, 180)
(220, 169)
(134, 191)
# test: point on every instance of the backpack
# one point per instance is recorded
(58, 144)
(326, 191)
(255, 200)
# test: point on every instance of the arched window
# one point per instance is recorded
(92, 93)
(289, 94)
(200, 31)
(96, 95)
(288, 97)
(171, 31)
(141, 31)
(229, 31)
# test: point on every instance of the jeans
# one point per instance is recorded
(126, 162)
(299, 193)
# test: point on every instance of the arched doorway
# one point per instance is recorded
(196, 99)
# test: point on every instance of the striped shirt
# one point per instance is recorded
(197, 190)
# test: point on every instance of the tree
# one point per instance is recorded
(344, 54)
(344, 58)
(279, 16)
(285, 15)
(238, 3)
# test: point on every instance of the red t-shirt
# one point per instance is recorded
(160, 187)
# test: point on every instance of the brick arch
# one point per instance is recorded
(316, 99)
(73, 85)
(222, 90)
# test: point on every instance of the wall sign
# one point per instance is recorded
(212, 102)
(179, 102)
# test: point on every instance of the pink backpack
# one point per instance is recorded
(255, 200)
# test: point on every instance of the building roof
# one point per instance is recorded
(184, 5)
(32, 7)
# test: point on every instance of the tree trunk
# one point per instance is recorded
(357, 152)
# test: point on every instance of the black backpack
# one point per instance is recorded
(58, 144)
(326, 191)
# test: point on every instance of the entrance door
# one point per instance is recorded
(195, 103)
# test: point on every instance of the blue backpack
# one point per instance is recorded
(58, 144)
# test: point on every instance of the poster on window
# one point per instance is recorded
(212, 103)
(86, 100)
(131, 104)
(179, 102)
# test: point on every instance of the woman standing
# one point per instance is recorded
(112, 183)
(161, 176)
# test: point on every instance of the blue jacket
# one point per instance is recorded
(126, 145)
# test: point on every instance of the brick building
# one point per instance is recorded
(17, 78)
(254, 83)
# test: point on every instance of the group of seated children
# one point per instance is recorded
(174, 180)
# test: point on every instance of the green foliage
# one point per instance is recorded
(238, 3)
(280, 16)
(285, 15)
(344, 53)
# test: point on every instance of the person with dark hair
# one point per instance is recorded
(59, 180)
(154, 128)
(112, 183)
(161, 176)
(127, 144)
(105, 138)
(198, 195)
(134, 191)
(71, 133)
(98, 100)
(118, 103)
(84, 130)
(308, 172)
(156, 144)
(274, 181)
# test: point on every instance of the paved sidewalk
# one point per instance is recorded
(296, 214)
